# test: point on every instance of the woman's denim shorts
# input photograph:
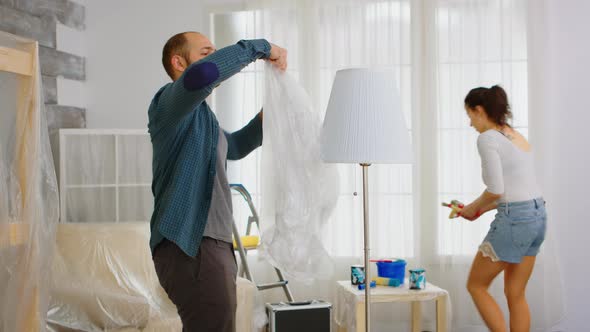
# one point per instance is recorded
(518, 230)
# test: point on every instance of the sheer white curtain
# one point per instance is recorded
(440, 50)
(471, 44)
(378, 35)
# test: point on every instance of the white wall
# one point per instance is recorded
(560, 69)
(570, 119)
(123, 67)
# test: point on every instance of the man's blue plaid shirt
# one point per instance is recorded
(184, 134)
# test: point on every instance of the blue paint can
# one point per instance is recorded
(394, 268)
(417, 279)
(357, 274)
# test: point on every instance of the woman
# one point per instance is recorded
(518, 229)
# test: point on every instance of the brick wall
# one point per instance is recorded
(38, 20)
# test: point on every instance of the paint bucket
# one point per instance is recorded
(357, 274)
(417, 279)
(394, 268)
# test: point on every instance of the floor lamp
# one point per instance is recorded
(364, 125)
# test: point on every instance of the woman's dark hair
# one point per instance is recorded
(494, 102)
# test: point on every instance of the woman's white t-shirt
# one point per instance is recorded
(507, 169)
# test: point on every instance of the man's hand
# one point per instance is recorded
(278, 57)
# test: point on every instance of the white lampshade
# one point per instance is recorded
(364, 122)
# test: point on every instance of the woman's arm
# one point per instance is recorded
(491, 166)
(485, 202)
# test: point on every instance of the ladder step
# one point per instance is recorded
(248, 241)
(273, 285)
(252, 242)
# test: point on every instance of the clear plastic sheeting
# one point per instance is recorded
(103, 279)
(299, 191)
(28, 189)
(105, 175)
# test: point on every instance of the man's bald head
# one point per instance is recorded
(182, 49)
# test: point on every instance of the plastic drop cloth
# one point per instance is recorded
(299, 191)
(28, 189)
(103, 279)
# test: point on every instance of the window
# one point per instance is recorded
(471, 51)
(462, 48)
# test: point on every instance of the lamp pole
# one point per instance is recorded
(367, 248)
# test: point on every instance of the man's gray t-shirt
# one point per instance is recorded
(220, 218)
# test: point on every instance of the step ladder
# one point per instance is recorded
(248, 242)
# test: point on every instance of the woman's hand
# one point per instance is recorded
(470, 212)
(485, 202)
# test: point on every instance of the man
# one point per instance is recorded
(191, 232)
